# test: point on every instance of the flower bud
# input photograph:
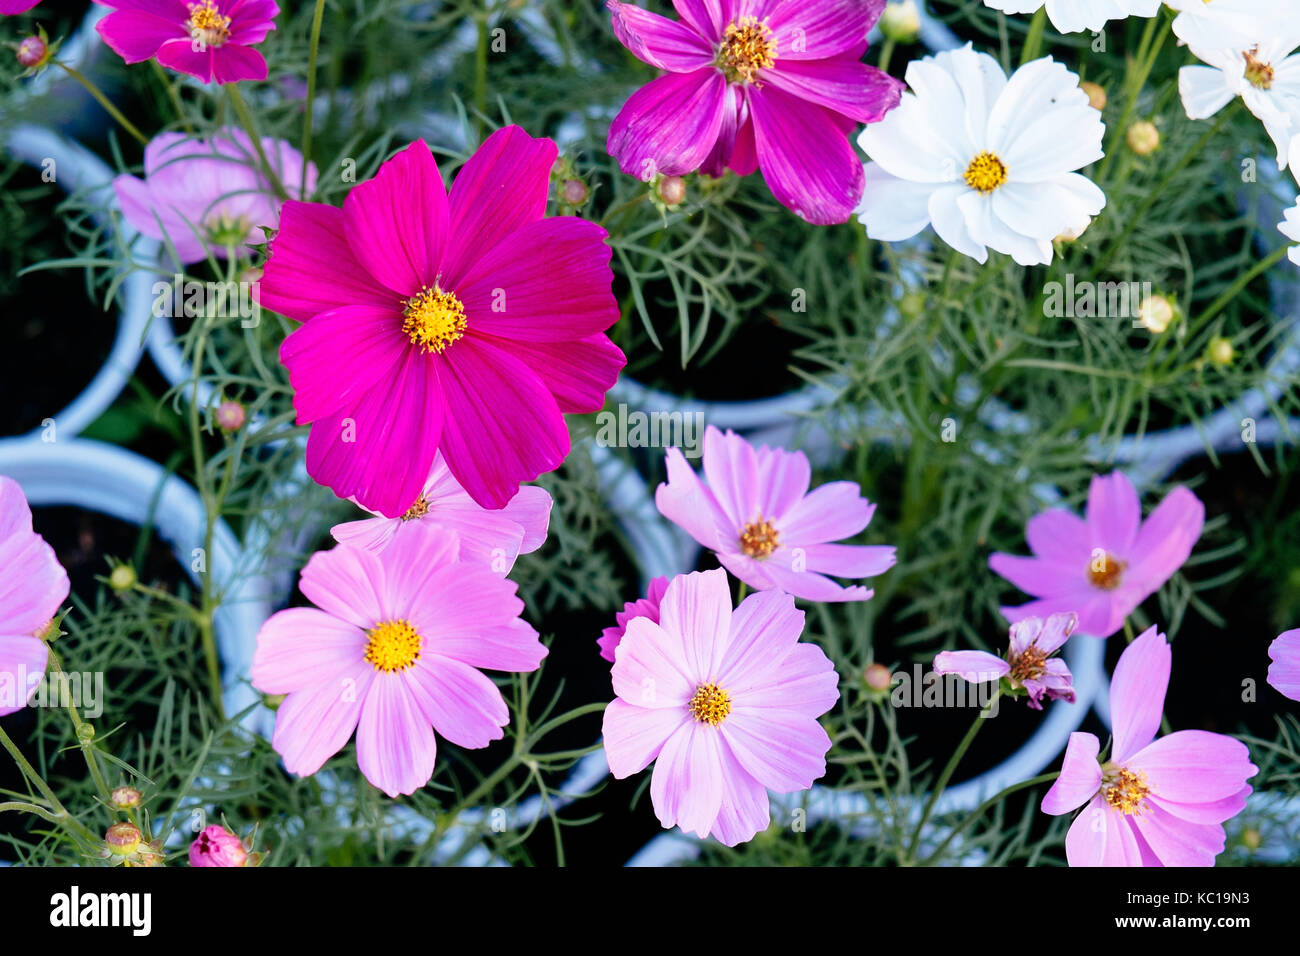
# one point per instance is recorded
(217, 846)
(122, 578)
(123, 839)
(877, 677)
(1071, 235)
(1251, 838)
(33, 51)
(124, 798)
(574, 192)
(1096, 94)
(1220, 351)
(901, 22)
(1143, 138)
(230, 416)
(1157, 313)
(672, 190)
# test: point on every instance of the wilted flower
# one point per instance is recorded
(1029, 664)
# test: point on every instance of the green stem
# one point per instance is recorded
(983, 808)
(308, 111)
(886, 52)
(1243, 280)
(246, 121)
(173, 95)
(59, 813)
(1148, 51)
(103, 101)
(480, 68)
(1034, 40)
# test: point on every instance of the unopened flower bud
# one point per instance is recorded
(877, 677)
(672, 190)
(1143, 138)
(123, 578)
(1251, 838)
(32, 52)
(1096, 94)
(574, 192)
(901, 22)
(149, 854)
(1157, 313)
(1070, 235)
(230, 416)
(1220, 351)
(124, 798)
(217, 846)
(123, 839)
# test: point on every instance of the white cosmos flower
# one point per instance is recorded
(988, 161)
(1213, 24)
(1074, 16)
(1266, 75)
(1290, 227)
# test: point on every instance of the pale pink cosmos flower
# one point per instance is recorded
(755, 511)
(206, 194)
(217, 846)
(1284, 673)
(392, 650)
(647, 607)
(1152, 802)
(495, 538)
(724, 702)
(1103, 565)
(1029, 663)
(32, 589)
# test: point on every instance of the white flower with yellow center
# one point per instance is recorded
(1210, 24)
(988, 161)
(1073, 16)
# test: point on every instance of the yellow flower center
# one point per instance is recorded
(758, 539)
(1125, 790)
(985, 173)
(393, 646)
(1106, 573)
(1030, 665)
(747, 47)
(433, 319)
(417, 510)
(1258, 73)
(206, 24)
(710, 705)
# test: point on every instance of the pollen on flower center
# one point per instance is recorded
(710, 705)
(417, 510)
(1125, 790)
(747, 47)
(985, 173)
(433, 319)
(1030, 665)
(207, 25)
(1258, 73)
(393, 646)
(758, 539)
(1108, 573)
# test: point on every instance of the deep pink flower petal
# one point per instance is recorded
(181, 56)
(744, 158)
(347, 583)
(502, 425)
(501, 188)
(367, 339)
(461, 703)
(805, 157)
(1114, 513)
(137, 35)
(785, 751)
(707, 17)
(311, 268)
(656, 40)
(1137, 693)
(1177, 842)
(21, 657)
(578, 372)
(301, 647)
(973, 666)
(746, 808)
(1194, 766)
(397, 222)
(650, 668)
(314, 723)
(862, 93)
(647, 606)
(1284, 672)
(686, 786)
(828, 28)
(633, 736)
(1080, 777)
(830, 512)
(396, 749)
(1215, 811)
(1165, 540)
(531, 509)
(251, 20)
(548, 282)
(735, 115)
(670, 125)
(234, 63)
(685, 501)
(10, 7)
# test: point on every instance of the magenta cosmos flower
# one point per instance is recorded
(1029, 664)
(647, 607)
(494, 538)
(1105, 564)
(757, 514)
(773, 85)
(466, 323)
(725, 703)
(203, 195)
(208, 39)
(392, 650)
(1151, 802)
(33, 588)
(1284, 672)
(217, 846)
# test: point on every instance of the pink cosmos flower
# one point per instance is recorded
(1029, 663)
(217, 846)
(647, 607)
(726, 704)
(8, 7)
(33, 587)
(392, 650)
(774, 85)
(1284, 673)
(756, 513)
(202, 195)
(466, 323)
(1106, 564)
(208, 39)
(1152, 802)
(494, 538)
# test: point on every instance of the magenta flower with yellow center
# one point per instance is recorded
(208, 39)
(467, 324)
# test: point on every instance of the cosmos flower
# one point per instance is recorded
(1211, 24)
(495, 538)
(9, 7)
(1290, 227)
(725, 703)
(202, 195)
(1104, 565)
(1284, 673)
(647, 607)
(1073, 16)
(1151, 802)
(756, 513)
(208, 39)
(988, 161)
(772, 85)
(1029, 664)
(217, 846)
(392, 650)
(33, 588)
(467, 324)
